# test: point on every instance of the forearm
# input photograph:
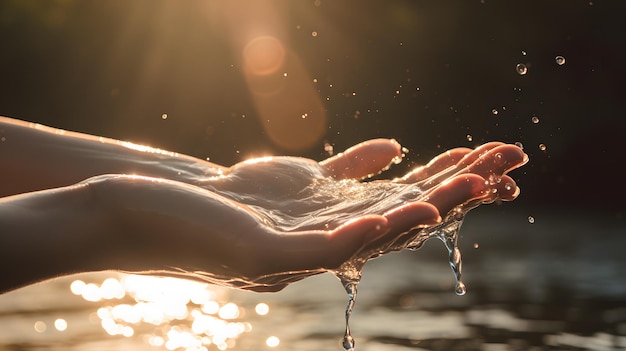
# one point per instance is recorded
(35, 157)
(48, 234)
(121, 223)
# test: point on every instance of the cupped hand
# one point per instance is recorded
(287, 218)
(260, 224)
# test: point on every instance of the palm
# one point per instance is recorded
(293, 196)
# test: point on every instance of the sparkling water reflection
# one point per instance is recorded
(528, 289)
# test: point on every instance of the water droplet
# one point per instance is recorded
(508, 186)
(560, 60)
(543, 147)
(531, 219)
(494, 111)
(519, 144)
(314, 34)
(328, 148)
(164, 116)
(476, 245)
(523, 53)
(460, 288)
(469, 137)
(521, 69)
(348, 343)
(534, 119)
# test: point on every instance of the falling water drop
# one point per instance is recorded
(348, 340)
(460, 288)
(560, 60)
(534, 119)
(521, 69)
(531, 219)
(543, 147)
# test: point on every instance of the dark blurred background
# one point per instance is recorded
(432, 74)
(230, 80)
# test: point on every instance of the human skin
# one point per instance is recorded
(71, 203)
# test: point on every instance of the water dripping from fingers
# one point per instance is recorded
(449, 234)
(348, 341)
(349, 274)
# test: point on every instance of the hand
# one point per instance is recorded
(258, 225)
(324, 216)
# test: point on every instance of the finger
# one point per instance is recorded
(477, 153)
(364, 229)
(312, 250)
(436, 165)
(457, 191)
(507, 189)
(412, 215)
(498, 161)
(473, 159)
(349, 238)
(363, 160)
(402, 220)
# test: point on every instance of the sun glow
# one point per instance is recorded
(185, 315)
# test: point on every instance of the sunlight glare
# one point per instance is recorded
(60, 324)
(272, 341)
(187, 314)
(262, 309)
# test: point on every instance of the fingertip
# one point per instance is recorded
(507, 189)
(510, 156)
